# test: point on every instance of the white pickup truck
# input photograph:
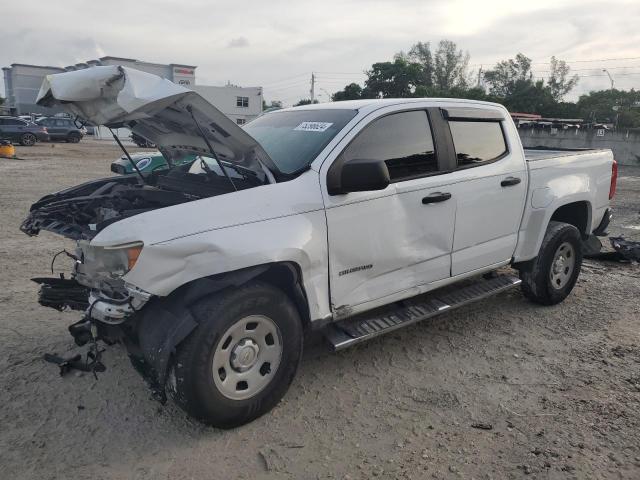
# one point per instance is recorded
(355, 218)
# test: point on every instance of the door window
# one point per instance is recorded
(477, 143)
(402, 140)
(13, 121)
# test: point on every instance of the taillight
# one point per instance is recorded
(614, 179)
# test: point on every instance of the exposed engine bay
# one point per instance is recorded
(82, 211)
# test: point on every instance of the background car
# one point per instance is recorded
(147, 162)
(61, 128)
(22, 131)
(141, 142)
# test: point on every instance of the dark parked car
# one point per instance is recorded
(61, 128)
(21, 131)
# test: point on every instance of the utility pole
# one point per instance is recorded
(326, 93)
(480, 77)
(610, 77)
(312, 92)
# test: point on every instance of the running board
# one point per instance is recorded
(346, 333)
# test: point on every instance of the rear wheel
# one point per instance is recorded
(73, 137)
(28, 139)
(549, 278)
(242, 357)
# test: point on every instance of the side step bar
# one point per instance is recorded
(346, 333)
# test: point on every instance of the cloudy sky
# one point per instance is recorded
(277, 43)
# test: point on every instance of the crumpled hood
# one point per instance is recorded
(154, 108)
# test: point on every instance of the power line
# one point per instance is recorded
(285, 87)
(342, 73)
(565, 61)
(592, 61)
(285, 79)
(540, 74)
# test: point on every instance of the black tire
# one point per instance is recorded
(191, 380)
(74, 137)
(537, 275)
(28, 139)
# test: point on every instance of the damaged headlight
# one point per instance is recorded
(114, 261)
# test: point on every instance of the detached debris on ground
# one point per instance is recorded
(625, 251)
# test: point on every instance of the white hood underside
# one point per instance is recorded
(154, 108)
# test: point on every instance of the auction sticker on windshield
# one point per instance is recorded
(313, 126)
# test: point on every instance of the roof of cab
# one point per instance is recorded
(383, 102)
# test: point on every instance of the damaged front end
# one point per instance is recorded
(179, 122)
(111, 308)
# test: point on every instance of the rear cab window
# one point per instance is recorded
(477, 142)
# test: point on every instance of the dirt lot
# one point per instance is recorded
(559, 386)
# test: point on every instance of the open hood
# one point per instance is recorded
(156, 109)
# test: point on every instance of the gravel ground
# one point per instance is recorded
(557, 389)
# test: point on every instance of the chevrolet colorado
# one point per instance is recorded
(355, 218)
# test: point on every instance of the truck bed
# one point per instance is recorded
(542, 153)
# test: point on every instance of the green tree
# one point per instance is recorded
(450, 66)
(559, 82)
(445, 69)
(353, 91)
(393, 79)
(510, 76)
(421, 53)
(628, 119)
(615, 106)
(527, 96)
(474, 93)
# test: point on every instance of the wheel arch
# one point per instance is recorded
(167, 321)
(576, 213)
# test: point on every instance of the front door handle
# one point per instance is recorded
(510, 181)
(436, 197)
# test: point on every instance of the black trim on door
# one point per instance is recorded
(443, 140)
(436, 197)
(510, 181)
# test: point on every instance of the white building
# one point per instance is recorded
(22, 84)
(241, 104)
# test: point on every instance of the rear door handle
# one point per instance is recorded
(436, 197)
(510, 181)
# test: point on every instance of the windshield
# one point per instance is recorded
(293, 139)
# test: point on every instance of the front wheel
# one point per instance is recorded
(242, 357)
(73, 138)
(549, 278)
(28, 139)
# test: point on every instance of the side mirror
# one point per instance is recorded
(361, 175)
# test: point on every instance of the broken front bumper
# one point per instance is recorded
(113, 311)
(62, 293)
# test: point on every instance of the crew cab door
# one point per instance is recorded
(489, 179)
(384, 244)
